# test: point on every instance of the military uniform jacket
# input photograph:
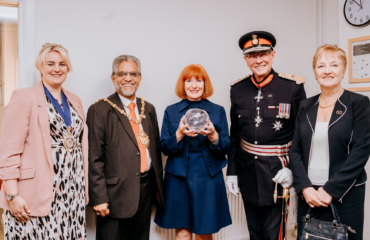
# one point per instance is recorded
(255, 173)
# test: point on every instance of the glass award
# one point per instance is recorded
(197, 119)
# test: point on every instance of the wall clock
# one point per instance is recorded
(357, 12)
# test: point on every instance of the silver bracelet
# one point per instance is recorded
(215, 141)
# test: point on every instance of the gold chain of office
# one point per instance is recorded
(137, 121)
(144, 139)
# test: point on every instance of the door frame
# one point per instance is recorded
(26, 42)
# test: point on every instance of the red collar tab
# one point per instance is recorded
(264, 82)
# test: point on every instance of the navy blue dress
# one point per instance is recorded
(197, 200)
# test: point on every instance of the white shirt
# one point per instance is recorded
(125, 103)
(318, 169)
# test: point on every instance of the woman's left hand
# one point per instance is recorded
(324, 197)
(209, 131)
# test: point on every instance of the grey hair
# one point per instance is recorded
(125, 58)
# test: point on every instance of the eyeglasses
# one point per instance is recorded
(124, 74)
(254, 57)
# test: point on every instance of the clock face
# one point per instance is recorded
(357, 12)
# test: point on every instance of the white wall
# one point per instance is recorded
(329, 27)
(347, 31)
(167, 36)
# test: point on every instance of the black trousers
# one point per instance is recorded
(351, 211)
(263, 221)
(134, 228)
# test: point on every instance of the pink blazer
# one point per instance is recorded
(25, 148)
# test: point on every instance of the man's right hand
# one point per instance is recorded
(101, 209)
(232, 185)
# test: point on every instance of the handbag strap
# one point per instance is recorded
(308, 215)
(336, 219)
(335, 212)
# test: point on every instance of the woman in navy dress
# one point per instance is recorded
(195, 195)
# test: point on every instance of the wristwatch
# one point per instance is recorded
(11, 197)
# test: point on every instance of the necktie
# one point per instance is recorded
(136, 128)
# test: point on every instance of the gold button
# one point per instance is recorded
(239, 116)
(258, 108)
(255, 142)
(255, 157)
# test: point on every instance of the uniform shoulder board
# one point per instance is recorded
(239, 80)
(297, 79)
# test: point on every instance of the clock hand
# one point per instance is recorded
(357, 3)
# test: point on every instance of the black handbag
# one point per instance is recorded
(315, 229)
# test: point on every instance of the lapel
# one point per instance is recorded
(339, 109)
(183, 104)
(76, 105)
(207, 106)
(312, 114)
(145, 121)
(123, 119)
(44, 121)
(338, 112)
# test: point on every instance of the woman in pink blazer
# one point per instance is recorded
(43, 156)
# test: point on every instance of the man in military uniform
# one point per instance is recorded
(264, 106)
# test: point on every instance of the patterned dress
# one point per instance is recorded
(66, 219)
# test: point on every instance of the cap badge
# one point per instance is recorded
(255, 40)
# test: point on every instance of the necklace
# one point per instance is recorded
(327, 106)
(332, 103)
(65, 112)
(137, 121)
(144, 139)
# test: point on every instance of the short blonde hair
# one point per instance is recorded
(330, 50)
(52, 47)
(197, 71)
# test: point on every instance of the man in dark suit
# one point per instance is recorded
(125, 165)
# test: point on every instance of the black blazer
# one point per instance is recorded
(348, 140)
(114, 157)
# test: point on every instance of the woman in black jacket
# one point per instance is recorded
(331, 145)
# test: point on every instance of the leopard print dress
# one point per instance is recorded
(66, 219)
